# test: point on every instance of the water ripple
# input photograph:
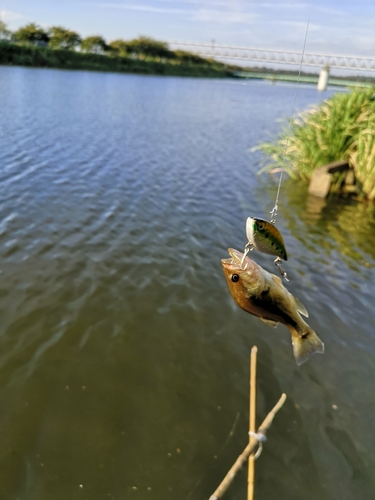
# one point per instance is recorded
(120, 195)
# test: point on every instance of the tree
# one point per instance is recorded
(61, 38)
(120, 47)
(4, 33)
(148, 47)
(32, 34)
(190, 57)
(95, 44)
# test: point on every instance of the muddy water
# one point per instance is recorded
(123, 359)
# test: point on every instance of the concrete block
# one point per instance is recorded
(320, 183)
(322, 177)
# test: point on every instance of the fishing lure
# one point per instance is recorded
(266, 238)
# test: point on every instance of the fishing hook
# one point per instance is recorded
(248, 248)
(283, 273)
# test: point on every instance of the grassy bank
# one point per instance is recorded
(342, 127)
(43, 57)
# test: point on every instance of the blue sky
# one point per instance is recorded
(336, 26)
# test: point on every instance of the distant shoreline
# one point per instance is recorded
(43, 57)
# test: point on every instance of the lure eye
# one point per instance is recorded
(260, 226)
(234, 278)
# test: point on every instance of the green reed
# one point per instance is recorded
(342, 127)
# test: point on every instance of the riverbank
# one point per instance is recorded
(340, 128)
(43, 57)
(294, 77)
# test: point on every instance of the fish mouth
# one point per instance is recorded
(235, 258)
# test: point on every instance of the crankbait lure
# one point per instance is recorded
(266, 238)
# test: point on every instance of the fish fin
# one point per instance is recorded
(277, 280)
(306, 344)
(301, 308)
(270, 322)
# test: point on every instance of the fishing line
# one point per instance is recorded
(276, 207)
(261, 234)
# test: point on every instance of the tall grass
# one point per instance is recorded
(342, 127)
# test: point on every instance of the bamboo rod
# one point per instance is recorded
(250, 448)
(252, 420)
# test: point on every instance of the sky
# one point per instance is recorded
(336, 26)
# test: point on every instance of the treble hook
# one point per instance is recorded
(277, 263)
(248, 248)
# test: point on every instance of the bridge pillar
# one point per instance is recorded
(323, 78)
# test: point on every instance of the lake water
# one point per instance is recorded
(123, 360)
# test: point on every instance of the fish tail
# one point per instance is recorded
(305, 344)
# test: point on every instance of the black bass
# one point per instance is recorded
(263, 294)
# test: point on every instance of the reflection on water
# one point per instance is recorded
(344, 225)
(123, 359)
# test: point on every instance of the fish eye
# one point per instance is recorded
(234, 278)
(260, 226)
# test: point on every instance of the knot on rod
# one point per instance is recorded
(261, 438)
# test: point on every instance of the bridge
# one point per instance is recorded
(278, 56)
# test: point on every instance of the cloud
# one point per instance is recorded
(218, 16)
(300, 25)
(277, 4)
(332, 11)
(7, 16)
(144, 8)
(208, 3)
(224, 16)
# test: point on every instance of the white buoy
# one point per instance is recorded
(323, 78)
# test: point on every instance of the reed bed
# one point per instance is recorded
(342, 127)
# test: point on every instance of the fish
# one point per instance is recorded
(265, 237)
(263, 294)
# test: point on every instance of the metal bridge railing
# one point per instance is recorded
(275, 56)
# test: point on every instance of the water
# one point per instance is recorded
(123, 359)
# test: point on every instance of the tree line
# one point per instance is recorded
(57, 37)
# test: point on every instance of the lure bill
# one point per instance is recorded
(265, 237)
(263, 294)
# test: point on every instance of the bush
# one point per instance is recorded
(342, 127)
